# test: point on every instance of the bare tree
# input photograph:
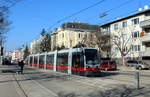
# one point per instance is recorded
(4, 23)
(26, 52)
(5, 5)
(122, 41)
(99, 41)
(45, 44)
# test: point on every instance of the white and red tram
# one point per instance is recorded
(79, 61)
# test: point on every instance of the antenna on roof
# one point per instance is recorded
(146, 7)
(140, 6)
(140, 9)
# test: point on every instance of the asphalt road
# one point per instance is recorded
(45, 83)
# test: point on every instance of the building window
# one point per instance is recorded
(106, 30)
(73, 26)
(63, 35)
(79, 35)
(136, 48)
(135, 21)
(135, 34)
(147, 30)
(124, 24)
(115, 26)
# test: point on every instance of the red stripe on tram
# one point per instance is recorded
(92, 69)
(78, 69)
(41, 65)
(62, 67)
(35, 64)
(50, 66)
(82, 69)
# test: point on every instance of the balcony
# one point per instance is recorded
(145, 23)
(145, 37)
(146, 52)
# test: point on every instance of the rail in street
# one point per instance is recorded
(45, 83)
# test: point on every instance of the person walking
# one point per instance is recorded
(21, 65)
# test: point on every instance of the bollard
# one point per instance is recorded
(137, 80)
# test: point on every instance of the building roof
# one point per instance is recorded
(80, 26)
(127, 17)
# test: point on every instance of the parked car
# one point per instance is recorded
(6, 62)
(108, 65)
(138, 64)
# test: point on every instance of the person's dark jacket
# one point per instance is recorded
(21, 64)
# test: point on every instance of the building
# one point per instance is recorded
(135, 29)
(70, 34)
(35, 45)
(15, 55)
(145, 36)
(18, 53)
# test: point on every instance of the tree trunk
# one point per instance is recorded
(123, 61)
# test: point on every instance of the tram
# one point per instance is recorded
(79, 61)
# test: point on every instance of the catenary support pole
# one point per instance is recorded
(137, 80)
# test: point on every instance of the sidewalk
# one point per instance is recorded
(8, 85)
(125, 68)
(24, 86)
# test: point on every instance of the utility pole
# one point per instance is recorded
(1, 52)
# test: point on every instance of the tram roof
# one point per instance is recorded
(74, 49)
(65, 51)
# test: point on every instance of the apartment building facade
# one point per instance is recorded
(145, 36)
(70, 34)
(135, 30)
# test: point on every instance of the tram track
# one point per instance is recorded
(22, 90)
(41, 86)
(92, 81)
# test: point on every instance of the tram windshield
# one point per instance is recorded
(92, 56)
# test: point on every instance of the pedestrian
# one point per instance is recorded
(21, 65)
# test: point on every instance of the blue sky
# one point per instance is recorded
(29, 17)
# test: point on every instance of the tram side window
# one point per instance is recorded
(35, 59)
(41, 60)
(62, 59)
(50, 59)
(31, 59)
(77, 60)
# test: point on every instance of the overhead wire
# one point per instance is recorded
(123, 15)
(78, 12)
(122, 4)
(84, 9)
(105, 13)
(112, 19)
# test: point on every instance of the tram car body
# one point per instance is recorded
(79, 61)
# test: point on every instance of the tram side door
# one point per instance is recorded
(77, 63)
(62, 62)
